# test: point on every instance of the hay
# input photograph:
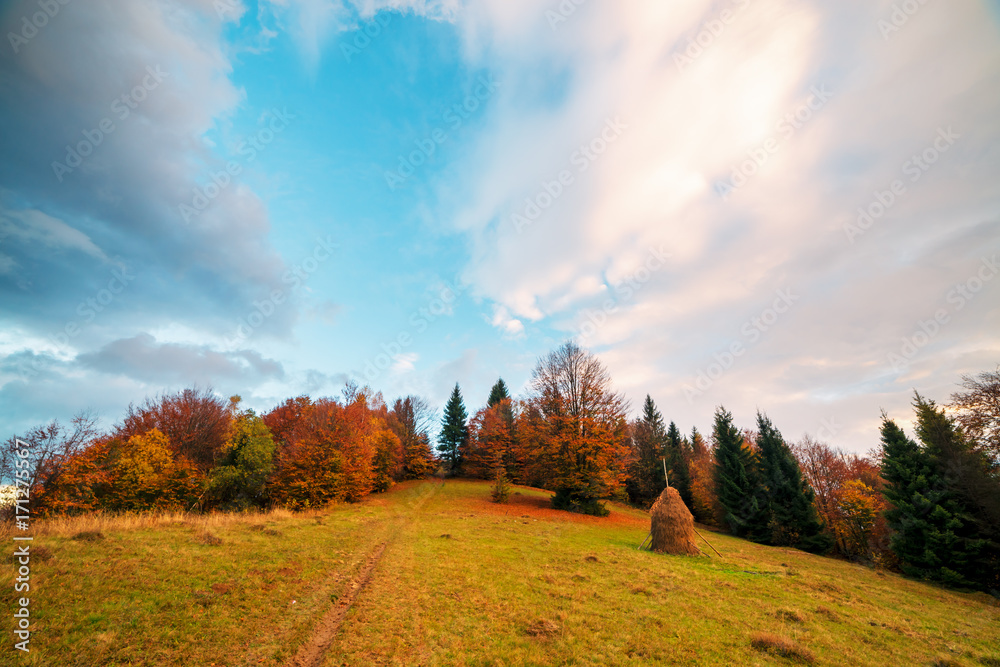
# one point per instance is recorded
(673, 525)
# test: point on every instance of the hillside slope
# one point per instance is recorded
(463, 581)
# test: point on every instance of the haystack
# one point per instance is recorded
(673, 525)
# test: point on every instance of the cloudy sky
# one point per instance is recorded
(784, 205)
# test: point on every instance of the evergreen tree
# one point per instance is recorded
(412, 416)
(737, 481)
(971, 477)
(646, 480)
(923, 515)
(792, 518)
(678, 460)
(454, 434)
(498, 393)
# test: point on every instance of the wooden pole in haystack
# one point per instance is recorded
(708, 543)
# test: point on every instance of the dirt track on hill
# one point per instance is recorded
(312, 652)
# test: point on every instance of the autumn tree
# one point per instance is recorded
(410, 422)
(46, 450)
(579, 438)
(196, 422)
(146, 476)
(978, 411)
(454, 434)
(704, 501)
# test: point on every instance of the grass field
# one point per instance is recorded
(463, 581)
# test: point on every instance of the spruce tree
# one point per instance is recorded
(678, 463)
(646, 480)
(498, 393)
(792, 518)
(454, 434)
(970, 477)
(923, 516)
(737, 482)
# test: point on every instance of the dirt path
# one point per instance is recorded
(312, 652)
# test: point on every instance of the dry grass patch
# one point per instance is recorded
(542, 629)
(209, 539)
(790, 615)
(772, 644)
(89, 536)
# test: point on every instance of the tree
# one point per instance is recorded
(196, 422)
(46, 449)
(678, 462)
(579, 437)
(792, 519)
(704, 501)
(648, 439)
(498, 393)
(973, 480)
(737, 481)
(145, 476)
(923, 516)
(410, 421)
(239, 481)
(454, 434)
(978, 411)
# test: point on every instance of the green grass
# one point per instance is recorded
(468, 582)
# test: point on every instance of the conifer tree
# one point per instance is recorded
(498, 393)
(454, 431)
(646, 480)
(678, 460)
(737, 481)
(923, 516)
(971, 477)
(792, 518)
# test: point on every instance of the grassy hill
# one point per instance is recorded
(463, 581)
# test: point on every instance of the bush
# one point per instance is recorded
(566, 500)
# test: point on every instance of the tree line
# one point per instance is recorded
(929, 507)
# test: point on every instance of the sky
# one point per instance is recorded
(789, 206)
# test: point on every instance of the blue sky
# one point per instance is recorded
(726, 201)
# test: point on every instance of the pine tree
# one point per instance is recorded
(971, 477)
(498, 393)
(737, 481)
(454, 434)
(792, 518)
(646, 480)
(923, 516)
(678, 463)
